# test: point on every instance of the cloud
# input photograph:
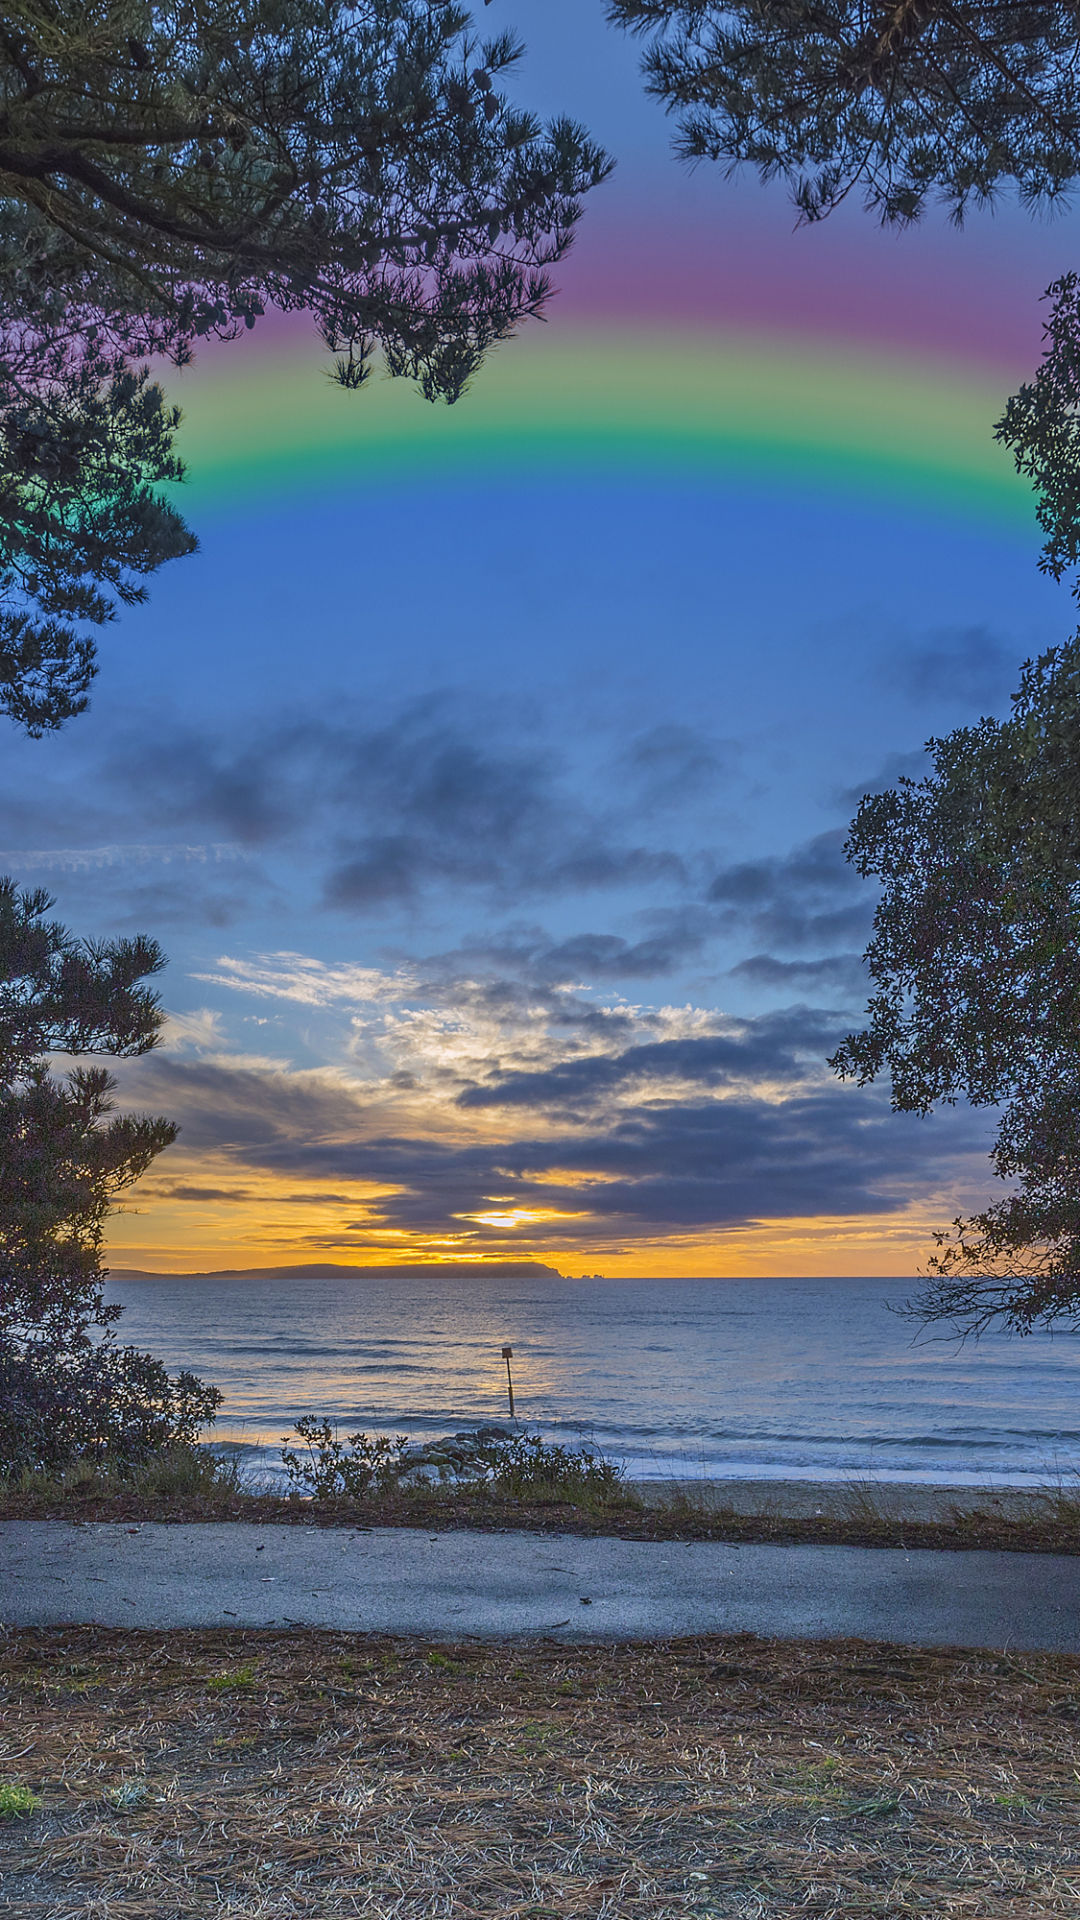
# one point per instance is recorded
(363, 811)
(200, 1029)
(438, 793)
(530, 954)
(895, 767)
(313, 983)
(778, 1047)
(493, 1108)
(811, 897)
(686, 1163)
(841, 973)
(672, 763)
(93, 859)
(965, 665)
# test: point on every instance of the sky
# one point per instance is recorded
(485, 776)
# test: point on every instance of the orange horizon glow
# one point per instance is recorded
(161, 1233)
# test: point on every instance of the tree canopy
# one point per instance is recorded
(975, 961)
(904, 104)
(65, 1155)
(902, 101)
(169, 172)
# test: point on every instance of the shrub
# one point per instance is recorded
(93, 1405)
(530, 1467)
(326, 1471)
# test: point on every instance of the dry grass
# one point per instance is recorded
(338, 1775)
(852, 1515)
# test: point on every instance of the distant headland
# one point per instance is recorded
(447, 1270)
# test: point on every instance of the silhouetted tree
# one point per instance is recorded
(65, 1158)
(903, 103)
(900, 101)
(975, 959)
(168, 172)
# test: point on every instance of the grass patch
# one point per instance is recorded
(16, 1802)
(232, 1682)
(184, 1475)
(720, 1776)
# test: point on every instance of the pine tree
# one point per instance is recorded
(899, 102)
(168, 173)
(65, 1158)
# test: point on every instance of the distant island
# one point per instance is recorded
(499, 1270)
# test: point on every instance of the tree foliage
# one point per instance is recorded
(66, 1157)
(975, 960)
(1041, 424)
(84, 444)
(901, 101)
(169, 172)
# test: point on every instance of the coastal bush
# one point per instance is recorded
(178, 1474)
(326, 1471)
(95, 1406)
(525, 1467)
(529, 1467)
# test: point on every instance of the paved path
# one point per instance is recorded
(456, 1584)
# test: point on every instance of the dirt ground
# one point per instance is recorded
(268, 1775)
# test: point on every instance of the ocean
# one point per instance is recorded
(772, 1379)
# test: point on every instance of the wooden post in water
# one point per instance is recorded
(508, 1354)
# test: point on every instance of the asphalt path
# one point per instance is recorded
(496, 1585)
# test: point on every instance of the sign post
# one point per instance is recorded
(508, 1354)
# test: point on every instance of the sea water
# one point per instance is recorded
(799, 1379)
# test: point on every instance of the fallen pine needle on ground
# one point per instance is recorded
(264, 1775)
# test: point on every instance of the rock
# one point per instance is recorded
(453, 1452)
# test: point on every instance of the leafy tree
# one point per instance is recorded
(168, 172)
(1041, 424)
(902, 103)
(975, 960)
(65, 1158)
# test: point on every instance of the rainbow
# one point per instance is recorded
(634, 401)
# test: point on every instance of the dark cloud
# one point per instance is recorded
(776, 1046)
(842, 973)
(965, 665)
(241, 1111)
(895, 767)
(837, 1151)
(530, 955)
(826, 1150)
(606, 956)
(316, 1198)
(671, 763)
(809, 898)
(376, 812)
(182, 1192)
